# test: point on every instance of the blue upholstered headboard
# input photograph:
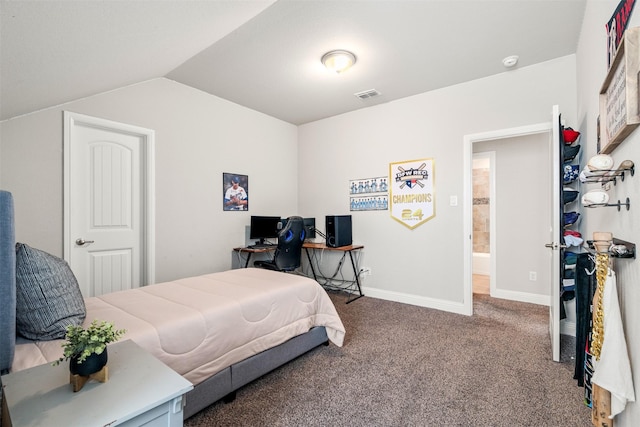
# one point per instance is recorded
(7, 282)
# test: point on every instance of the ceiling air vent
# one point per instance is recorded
(366, 94)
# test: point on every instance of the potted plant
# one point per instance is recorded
(86, 349)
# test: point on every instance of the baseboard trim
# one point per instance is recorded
(521, 297)
(451, 306)
(438, 304)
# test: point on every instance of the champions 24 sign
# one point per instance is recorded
(412, 197)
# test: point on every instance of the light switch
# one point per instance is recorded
(453, 200)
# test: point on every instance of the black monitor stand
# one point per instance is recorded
(261, 243)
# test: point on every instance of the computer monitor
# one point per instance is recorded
(264, 227)
(309, 227)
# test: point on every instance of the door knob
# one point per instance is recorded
(554, 245)
(81, 241)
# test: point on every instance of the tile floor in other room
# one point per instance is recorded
(480, 284)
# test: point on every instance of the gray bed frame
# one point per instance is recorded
(221, 385)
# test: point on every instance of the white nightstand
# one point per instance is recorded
(141, 390)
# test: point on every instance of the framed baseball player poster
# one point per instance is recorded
(235, 188)
(412, 191)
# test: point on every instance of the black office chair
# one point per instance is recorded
(289, 251)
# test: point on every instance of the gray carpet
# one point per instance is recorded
(403, 365)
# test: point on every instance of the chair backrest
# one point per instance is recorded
(290, 239)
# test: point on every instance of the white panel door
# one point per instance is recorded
(105, 209)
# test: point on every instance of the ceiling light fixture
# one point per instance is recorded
(338, 60)
(510, 61)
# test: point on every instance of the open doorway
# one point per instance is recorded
(519, 265)
(483, 220)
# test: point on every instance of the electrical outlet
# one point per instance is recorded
(365, 271)
(533, 276)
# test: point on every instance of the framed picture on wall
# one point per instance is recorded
(378, 202)
(619, 109)
(378, 184)
(369, 194)
(235, 188)
(412, 191)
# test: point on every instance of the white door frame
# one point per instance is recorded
(467, 211)
(148, 186)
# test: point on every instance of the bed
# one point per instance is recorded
(220, 331)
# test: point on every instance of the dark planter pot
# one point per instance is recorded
(91, 364)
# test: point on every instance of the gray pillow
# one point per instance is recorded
(48, 297)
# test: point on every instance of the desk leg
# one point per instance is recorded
(355, 272)
(246, 264)
(313, 270)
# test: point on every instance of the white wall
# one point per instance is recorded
(198, 137)
(423, 265)
(591, 71)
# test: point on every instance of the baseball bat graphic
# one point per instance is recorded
(401, 169)
(422, 166)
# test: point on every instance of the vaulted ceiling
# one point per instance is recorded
(265, 54)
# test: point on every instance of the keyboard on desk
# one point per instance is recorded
(262, 246)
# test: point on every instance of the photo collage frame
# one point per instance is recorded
(369, 194)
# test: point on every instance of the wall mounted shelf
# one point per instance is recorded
(616, 248)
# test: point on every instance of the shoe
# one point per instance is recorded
(570, 258)
(570, 135)
(571, 152)
(570, 218)
(570, 240)
(600, 162)
(569, 196)
(595, 197)
(588, 175)
(571, 172)
(568, 294)
(569, 284)
(626, 165)
(572, 233)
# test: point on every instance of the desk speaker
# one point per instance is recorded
(338, 229)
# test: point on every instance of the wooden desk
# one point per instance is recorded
(309, 246)
(312, 246)
(251, 251)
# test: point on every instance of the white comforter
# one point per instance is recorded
(200, 325)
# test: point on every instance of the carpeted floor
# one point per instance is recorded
(403, 365)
